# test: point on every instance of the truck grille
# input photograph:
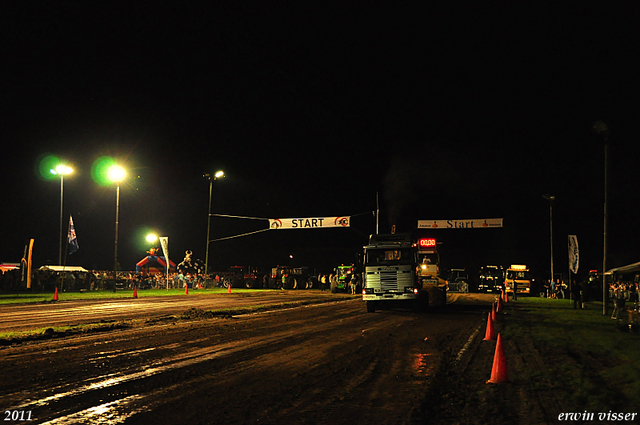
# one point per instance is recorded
(389, 280)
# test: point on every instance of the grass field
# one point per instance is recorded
(36, 297)
(589, 362)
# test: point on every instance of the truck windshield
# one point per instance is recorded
(524, 275)
(490, 273)
(380, 256)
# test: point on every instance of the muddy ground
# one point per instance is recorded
(328, 363)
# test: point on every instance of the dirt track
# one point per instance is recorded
(326, 364)
(21, 317)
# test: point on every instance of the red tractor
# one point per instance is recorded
(243, 277)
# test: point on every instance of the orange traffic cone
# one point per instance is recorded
(55, 295)
(505, 295)
(186, 289)
(229, 288)
(499, 374)
(490, 334)
(499, 306)
(135, 291)
(493, 311)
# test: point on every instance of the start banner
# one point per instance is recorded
(479, 223)
(309, 223)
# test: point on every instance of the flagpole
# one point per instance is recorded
(66, 250)
(29, 258)
(377, 212)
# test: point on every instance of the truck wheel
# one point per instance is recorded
(250, 283)
(371, 307)
(421, 304)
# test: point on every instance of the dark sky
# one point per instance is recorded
(448, 112)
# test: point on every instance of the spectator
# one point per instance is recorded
(618, 299)
(576, 290)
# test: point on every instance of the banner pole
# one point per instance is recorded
(29, 263)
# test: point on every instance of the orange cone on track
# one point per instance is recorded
(186, 289)
(490, 334)
(229, 288)
(135, 291)
(499, 374)
(499, 307)
(55, 295)
(493, 311)
(505, 295)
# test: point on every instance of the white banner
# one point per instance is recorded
(479, 223)
(164, 242)
(574, 257)
(309, 223)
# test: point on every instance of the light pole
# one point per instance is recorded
(602, 129)
(216, 176)
(61, 170)
(551, 199)
(116, 174)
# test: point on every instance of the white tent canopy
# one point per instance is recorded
(630, 268)
(64, 269)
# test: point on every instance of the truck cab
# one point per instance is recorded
(517, 278)
(491, 279)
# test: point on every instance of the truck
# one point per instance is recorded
(430, 273)
(391, 272)
(491, 279)
(287, 277)
(517, 278)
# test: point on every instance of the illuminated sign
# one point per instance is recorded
(427, 243)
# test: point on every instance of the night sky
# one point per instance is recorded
(446, 111)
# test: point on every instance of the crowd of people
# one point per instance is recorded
(48, 280)
(622, 292)
(627, 290)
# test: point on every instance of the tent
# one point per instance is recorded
(5, 267)
(153, 261)
(630, 268)
(64, 269)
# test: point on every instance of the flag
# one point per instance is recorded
(574, 256)
(164, 242)
(73, 240)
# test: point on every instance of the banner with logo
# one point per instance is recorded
(164, 242)
(477, 223)
(72, 238)
(309, 223)
(574, 257)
